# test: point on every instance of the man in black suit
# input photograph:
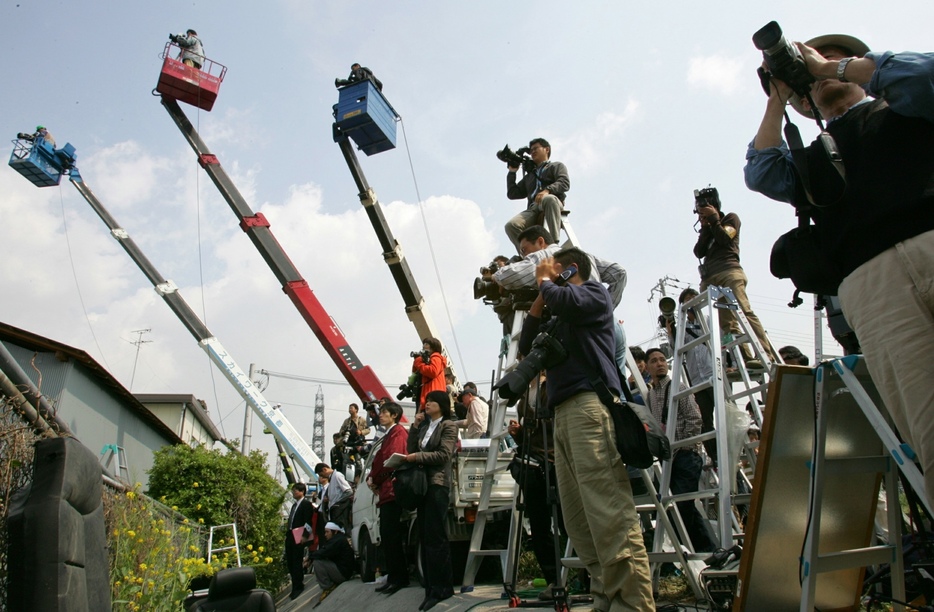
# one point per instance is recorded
(299, 517)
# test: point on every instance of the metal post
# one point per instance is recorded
(247, 419)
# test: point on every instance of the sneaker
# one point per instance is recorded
(754, 364)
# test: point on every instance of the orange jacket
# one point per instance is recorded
(432, 375)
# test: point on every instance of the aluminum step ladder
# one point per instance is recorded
(111, 453)
(234, 547)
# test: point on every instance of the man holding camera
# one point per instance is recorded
(596, 498)
(544, 188)
(880, 232)
(192, 52)
(718, 247)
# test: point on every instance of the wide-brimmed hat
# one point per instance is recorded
(852, 45)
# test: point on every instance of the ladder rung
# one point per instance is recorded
(692, 390)
(489, 552)
(856, 465)
(573, 562)
(857, 557)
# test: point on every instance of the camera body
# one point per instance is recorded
(516, 159)
(425, 355)
(783, 59)
(411, 388)
(707, 195)
(546, 352)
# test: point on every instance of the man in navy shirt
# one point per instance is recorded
(596, 499)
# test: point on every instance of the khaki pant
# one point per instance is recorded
(889, 303)
(736, 280)
(599, 512)
(546, 213)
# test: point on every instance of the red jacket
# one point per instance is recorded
(381, 476)
(432, 375)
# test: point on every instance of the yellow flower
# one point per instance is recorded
(143, 566)
(192, 548)
(195, 485)
(201, 520)
(262, 549)
(249, 547)
(130, 494)
(185, 521)
(162, 499)
(175, 508)
(116, 532)
(131, 533)
(198, 507)
(268, 559)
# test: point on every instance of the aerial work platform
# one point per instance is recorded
(41, 163)
(188, 84)
(363, 114)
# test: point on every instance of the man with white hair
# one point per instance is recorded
(876, 236)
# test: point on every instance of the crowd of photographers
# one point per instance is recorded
(863, 194)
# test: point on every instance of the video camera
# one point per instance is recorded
(546, 352)
(783, 59)
(516, 159)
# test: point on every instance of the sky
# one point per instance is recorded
(643, 102)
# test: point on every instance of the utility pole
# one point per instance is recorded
(248, 420)
(139, 342)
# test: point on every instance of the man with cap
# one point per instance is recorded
(879, 234)
(299, 518)
(192, 52)
(718, 247)
(40, 134)
(478, 412)
(333, 562)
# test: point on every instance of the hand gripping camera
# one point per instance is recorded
(515, 159)
(783, 59)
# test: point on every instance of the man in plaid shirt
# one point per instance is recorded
(686, 462)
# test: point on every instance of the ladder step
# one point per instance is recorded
(857, 465)
(857, 557)
(488, 552)
(572, 562)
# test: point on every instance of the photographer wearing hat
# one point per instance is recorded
(192, 52)
(718, 247)
(596, 498)
(879, 231)
(545, 188)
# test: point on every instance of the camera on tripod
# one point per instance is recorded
(546, 352)
(783, 59)
(515, 159)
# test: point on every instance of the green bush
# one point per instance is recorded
(215, 488)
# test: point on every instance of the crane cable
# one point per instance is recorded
(431, 250)
(74, 273)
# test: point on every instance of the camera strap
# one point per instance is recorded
(799, 157)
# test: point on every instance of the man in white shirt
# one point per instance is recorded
(478, 413)
(338, 497)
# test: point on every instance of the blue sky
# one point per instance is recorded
(643, 102)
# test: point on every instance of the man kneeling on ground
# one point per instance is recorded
(333, 562)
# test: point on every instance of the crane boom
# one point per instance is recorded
(361, 377)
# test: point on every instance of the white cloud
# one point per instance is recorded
(586, 150)
(716, 73)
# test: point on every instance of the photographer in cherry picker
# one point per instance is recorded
(596, 499)
(867, 183)
(428, 372)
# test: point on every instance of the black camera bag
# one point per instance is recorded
(409, 483)
(798, 255)
(639, 438)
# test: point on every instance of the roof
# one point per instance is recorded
(196, 405)
(35, 342)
